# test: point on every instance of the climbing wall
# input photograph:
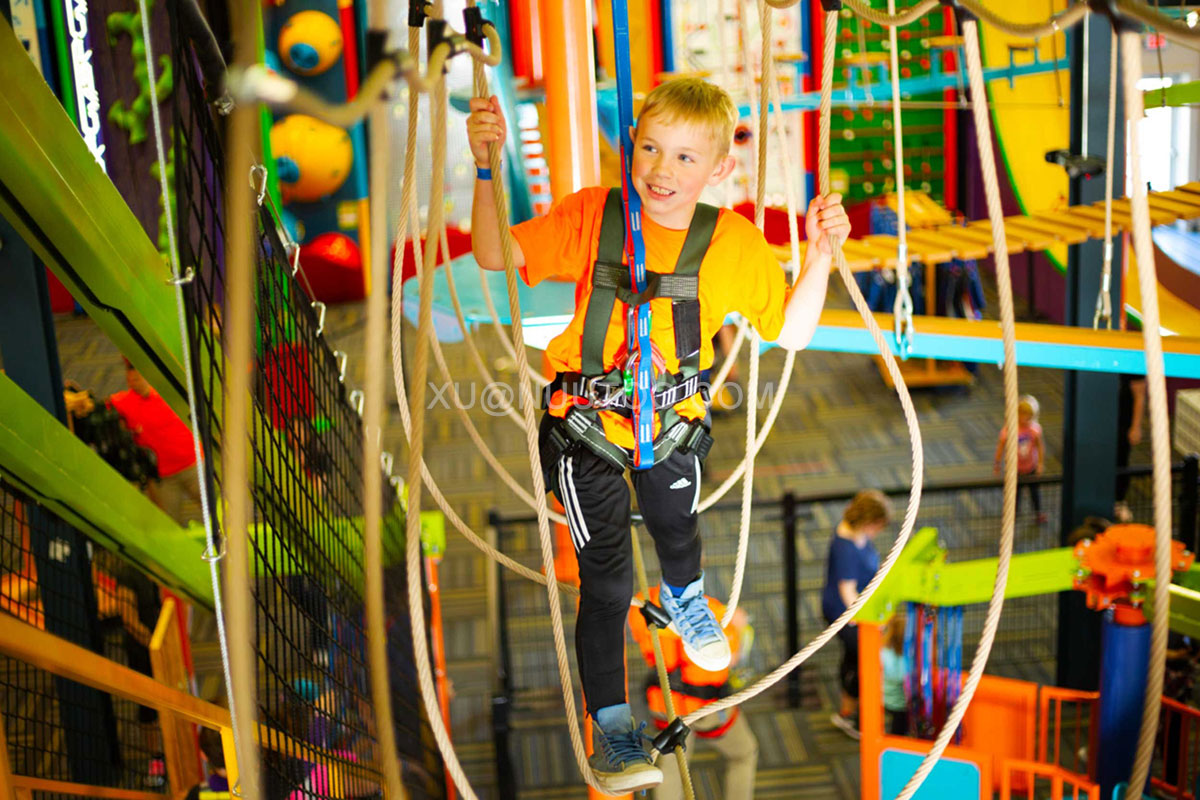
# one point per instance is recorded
(861, 151)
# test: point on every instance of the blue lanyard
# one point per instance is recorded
(637, 325)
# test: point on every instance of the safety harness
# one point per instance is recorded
(613, 390)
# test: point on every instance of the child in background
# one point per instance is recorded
(1031, 449)
(892, 657)
(852, 563)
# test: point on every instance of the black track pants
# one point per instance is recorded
(596, 499)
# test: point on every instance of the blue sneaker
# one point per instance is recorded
(703, 640)
(620, 759)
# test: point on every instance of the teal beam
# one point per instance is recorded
(62, 203)
(45, 460)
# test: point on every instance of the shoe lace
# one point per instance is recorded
(696, 619)
(623, 747)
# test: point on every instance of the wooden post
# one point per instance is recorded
(178, 736)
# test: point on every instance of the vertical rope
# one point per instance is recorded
(416, 604)
(660, 665)
(987, 161)
(372, 432)
(240, 253)
(910, 414)
(760, 209)
(531, 441)
(1160, 434)
(902, 279)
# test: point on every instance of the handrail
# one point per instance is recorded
(28, 784)
(1060, 779)
(1057, 695)
(48, 652)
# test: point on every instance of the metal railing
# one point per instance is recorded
(790, 537)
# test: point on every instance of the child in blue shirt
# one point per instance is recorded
(852, 563)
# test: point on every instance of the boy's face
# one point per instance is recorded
(672, 163)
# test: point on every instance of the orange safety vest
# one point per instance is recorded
(691, 686)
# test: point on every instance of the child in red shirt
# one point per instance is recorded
(1031, 449)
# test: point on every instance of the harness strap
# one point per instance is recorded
(580, 428)
(600, 304)
(607, 392)
(611, 282)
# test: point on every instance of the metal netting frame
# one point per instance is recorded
(307, 491)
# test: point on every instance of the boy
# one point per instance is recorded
(717, 262)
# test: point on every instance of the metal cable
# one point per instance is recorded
(1104, 297)
(212, 554)
(987, 161)
(910, 414)
(903, 307)
(1160, 434)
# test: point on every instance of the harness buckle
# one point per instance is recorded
(602, 395)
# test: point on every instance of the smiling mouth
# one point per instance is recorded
(658, 191)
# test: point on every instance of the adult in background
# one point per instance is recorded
(852, 563)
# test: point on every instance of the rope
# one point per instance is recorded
(531, 440)
(1159, 431)
(416, 604)
(239, 333)
(211, 554)
(903, 307)
(1036, 30)
(465, 419)
(372, 433)
(760, 210)
(910, 416)
(1167, 26)
(258, 84)
(430, 484)
(890, 19)
(987, 160)
(660, 665)
(1104, 298)
(469, 337)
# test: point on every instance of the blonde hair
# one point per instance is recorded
(868, 507)
(694, 100)
(1028, 403)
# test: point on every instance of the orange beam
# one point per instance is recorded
(573, 143)
(870, 706)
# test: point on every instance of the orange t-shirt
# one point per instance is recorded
(739, 273)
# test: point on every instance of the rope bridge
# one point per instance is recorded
(240, 291)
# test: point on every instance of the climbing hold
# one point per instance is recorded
(313, 158)
(310, 42)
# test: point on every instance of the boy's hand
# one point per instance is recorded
(485, 125)
(826, 217)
